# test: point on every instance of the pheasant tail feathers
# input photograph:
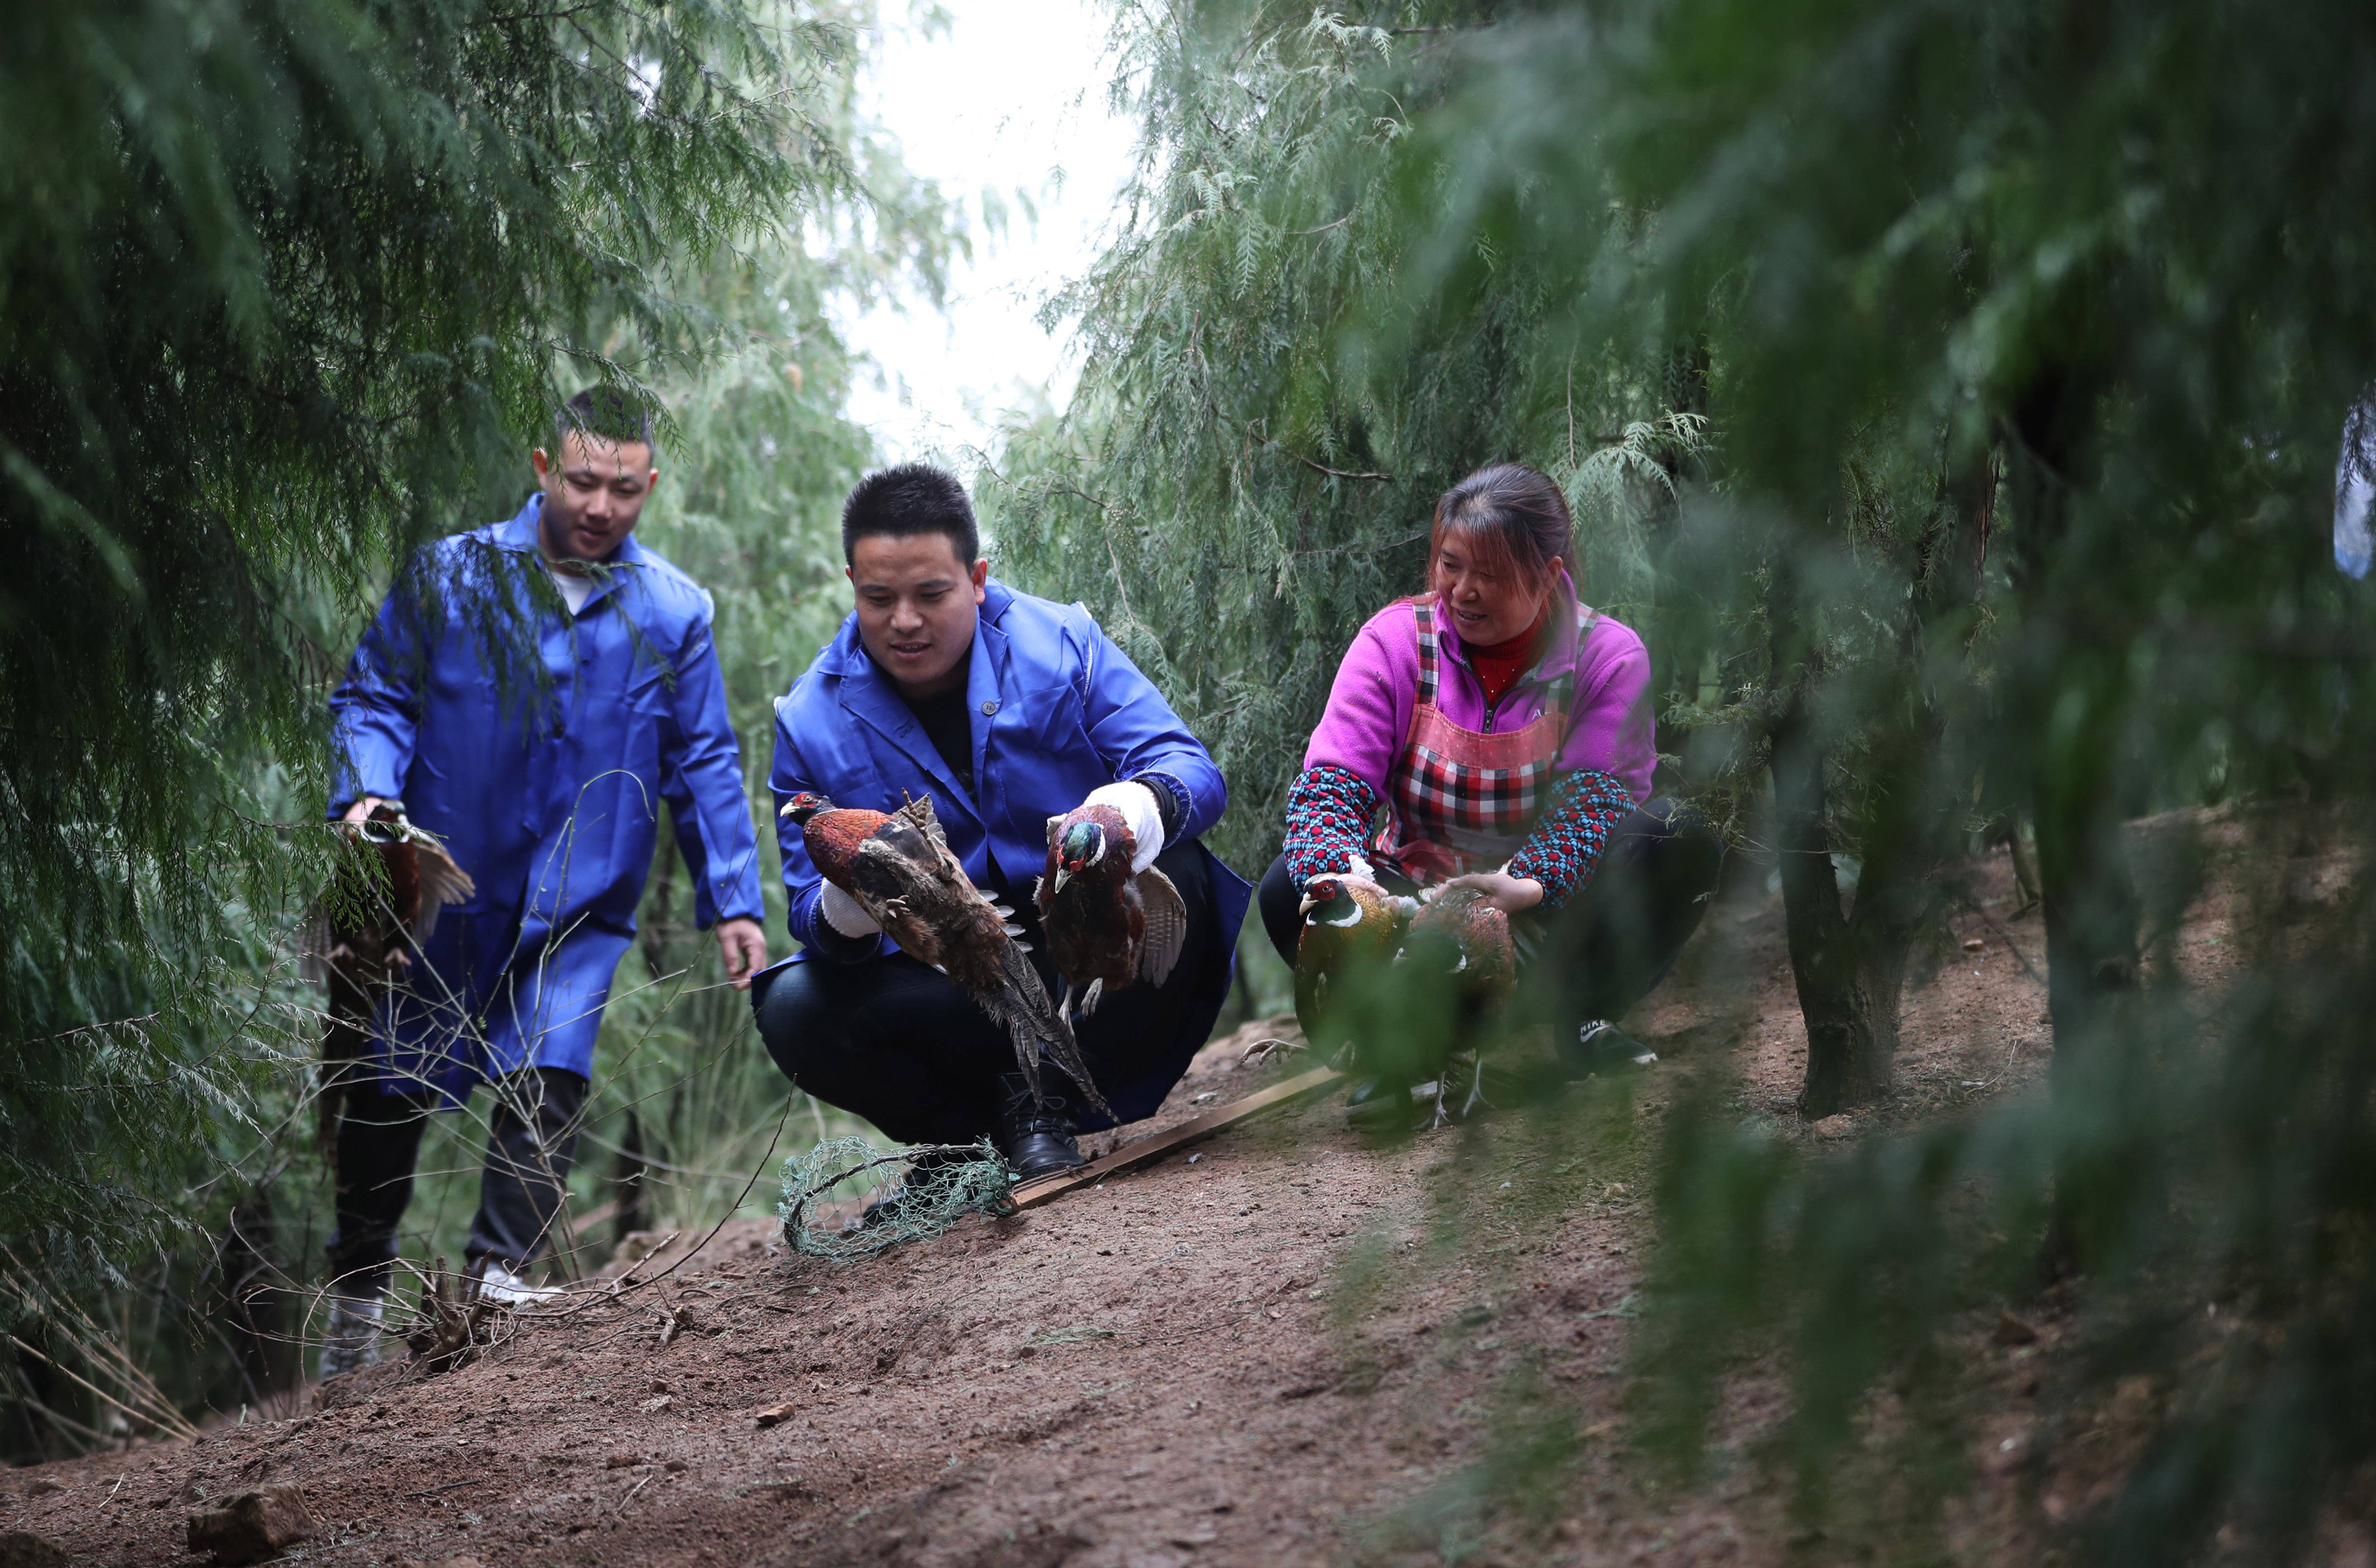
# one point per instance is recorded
(1035, 1025)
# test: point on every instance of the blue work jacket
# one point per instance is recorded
(1057, 710)
(538, 745)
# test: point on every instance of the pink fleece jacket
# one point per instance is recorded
(1611, 726)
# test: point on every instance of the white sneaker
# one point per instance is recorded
(352, 1341)
(491, 1281)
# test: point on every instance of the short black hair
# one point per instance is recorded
(910, 498)
(603, 413)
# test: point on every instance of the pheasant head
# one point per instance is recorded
(1327, 901)
(1093, 842)
(832, 834)
(802, 806)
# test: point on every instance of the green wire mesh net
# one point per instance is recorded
(942, 1183)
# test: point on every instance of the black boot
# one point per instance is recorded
(1036, 1138)
(916, 1190)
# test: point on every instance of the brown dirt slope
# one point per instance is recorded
(1293, 1349)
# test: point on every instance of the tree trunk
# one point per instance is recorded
(1847, 987)
(1849, 1042)
(1850, 970)
(2025, 867)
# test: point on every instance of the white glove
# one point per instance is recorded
(846, 914)
(1139, 812)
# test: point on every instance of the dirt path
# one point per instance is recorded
(1292, 1348)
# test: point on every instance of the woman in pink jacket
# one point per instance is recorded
(1496, 731)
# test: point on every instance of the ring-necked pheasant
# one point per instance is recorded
(1106, 928)
(1347, 921)
(1458, 934)
(1470, 939)
(899, 868)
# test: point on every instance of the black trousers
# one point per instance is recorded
(1617, 939)
(531, 1140)
(902, 1045)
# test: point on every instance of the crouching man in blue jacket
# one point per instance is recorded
(531, 692)
(1006, 710)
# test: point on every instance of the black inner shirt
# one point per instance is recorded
(948, 724)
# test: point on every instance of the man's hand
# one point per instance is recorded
(1135, 801)
(845, 914)
(1511, 894)
(743, 944)
(361, 811)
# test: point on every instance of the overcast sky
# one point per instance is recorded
(1011, 96)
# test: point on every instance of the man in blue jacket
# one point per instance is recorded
(1006, 710)
(530, 692)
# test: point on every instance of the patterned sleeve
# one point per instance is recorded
(1564, 848)
(1329, 813)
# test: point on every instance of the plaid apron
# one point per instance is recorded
(1465, 799)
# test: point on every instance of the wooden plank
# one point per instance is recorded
(1046, 1189)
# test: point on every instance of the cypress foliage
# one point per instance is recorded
(2108, 249)
(286, 284)
(2021, 336)
(1240, 483)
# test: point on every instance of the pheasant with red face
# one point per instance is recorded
(1106, 926)
(899, 868)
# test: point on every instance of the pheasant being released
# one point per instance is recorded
(1471, 940)
(898, 867)
(395, 880)
(1347, 921)
(1106, 928)
(1455, 933)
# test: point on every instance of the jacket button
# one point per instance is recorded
(989, 707)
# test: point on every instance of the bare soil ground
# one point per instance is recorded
(1293, 1348)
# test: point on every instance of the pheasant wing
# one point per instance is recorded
(442, 882)
(1167, 926)
(1311, 1000)
(919, 811)
(906, 897)
(919, 835)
